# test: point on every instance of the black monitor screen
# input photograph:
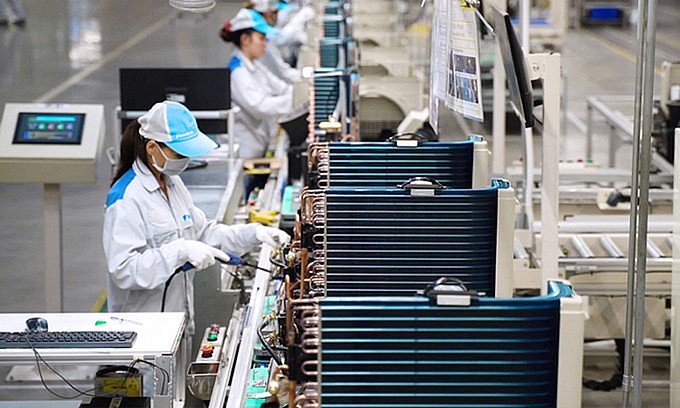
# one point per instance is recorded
(519, 85)
(49, 128)
(206, 89)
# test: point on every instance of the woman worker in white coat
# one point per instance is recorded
(273, 58)
(261, 96)
(151, 225)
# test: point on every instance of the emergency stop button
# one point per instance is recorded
(207, 350)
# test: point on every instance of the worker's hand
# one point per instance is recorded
(202, 255)
(273, 237)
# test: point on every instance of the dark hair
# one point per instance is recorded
(234, 36)
(132, 147)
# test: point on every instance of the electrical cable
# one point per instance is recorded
(38, 359)
(265, 344)
(185, 268)
(166, 375)
(616, 379)
(182, 268)
(275, 262)
(233, 260)
(256, 267)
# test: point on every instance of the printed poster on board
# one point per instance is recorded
(463, 90)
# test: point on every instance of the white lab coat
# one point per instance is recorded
(291, 25)
(262, 97)
(273, 61)
(143, 237)
(291, 33)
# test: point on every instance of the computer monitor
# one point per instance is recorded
(199, 89)
(519, 84)
(50, 143)
(296, 125)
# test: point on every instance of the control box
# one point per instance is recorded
(50, 143)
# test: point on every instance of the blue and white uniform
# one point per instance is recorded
(262, 97)
(274, 62)
(144, 234)
(291, 23)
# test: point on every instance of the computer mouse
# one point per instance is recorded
(36, 324)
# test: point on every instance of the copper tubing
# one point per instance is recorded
(319, 239)
(304, 252)
(309, 397)
(292, 388)
(310, 391)
(307, 203)
(310, 368)
(317, 151)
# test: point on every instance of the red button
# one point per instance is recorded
(207, 350)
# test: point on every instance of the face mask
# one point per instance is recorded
(172, 167)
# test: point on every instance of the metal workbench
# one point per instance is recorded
(160, 340)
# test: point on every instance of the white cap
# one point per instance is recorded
(171, 123)
(265, 5)
(246, 18)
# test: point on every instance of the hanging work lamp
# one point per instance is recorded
(194, 6)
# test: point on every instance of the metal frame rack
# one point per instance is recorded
(160, 340)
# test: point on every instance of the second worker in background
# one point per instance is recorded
(261, 96)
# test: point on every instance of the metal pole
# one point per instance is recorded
(524, 22)
(645, 135)
(637, 263)
(675, 283)
(499, 110)
(528, 169)
(54, 262)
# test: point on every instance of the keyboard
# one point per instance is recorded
(68, 339)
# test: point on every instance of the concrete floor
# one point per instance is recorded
(70, 51)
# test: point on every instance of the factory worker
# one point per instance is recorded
(272, 58)
(268, 8)
(291, 25)
(261, 96)
(151, 225)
